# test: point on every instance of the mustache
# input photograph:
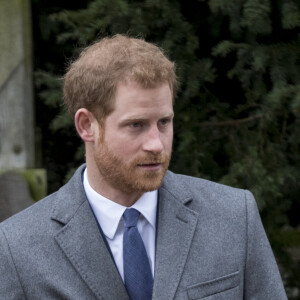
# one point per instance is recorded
(152, 159)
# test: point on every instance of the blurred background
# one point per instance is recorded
(236, 114)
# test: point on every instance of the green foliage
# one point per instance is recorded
(52, 94)
(290, 15)
(237, 112)
(257, 16)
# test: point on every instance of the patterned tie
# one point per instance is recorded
(137, 272)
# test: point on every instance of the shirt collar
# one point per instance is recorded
(109, 213)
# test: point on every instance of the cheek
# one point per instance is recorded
(168, 141)
(125, 149)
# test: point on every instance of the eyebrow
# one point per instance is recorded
(139, 118)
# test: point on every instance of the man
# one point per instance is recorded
(124, 227)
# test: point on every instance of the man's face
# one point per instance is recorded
(134, 151)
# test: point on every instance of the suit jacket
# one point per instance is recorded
(210, 245)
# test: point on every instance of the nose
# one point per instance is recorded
(153, 142)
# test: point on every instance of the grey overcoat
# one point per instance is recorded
(210, 245)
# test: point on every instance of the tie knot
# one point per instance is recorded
(131, 217)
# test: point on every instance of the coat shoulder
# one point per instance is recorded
(206, 193)
(60, 205)
(31, 219)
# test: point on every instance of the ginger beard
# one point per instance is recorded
(129, 176)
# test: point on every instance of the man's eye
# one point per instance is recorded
(136, 124)
(164, 122)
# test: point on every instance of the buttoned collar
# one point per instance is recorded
(109, 213)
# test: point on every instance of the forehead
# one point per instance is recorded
(131, 96)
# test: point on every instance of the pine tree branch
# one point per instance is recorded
(231, 122)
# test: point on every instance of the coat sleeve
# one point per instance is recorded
(262, 277)
(10, 287)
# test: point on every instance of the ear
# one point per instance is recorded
(86, 125)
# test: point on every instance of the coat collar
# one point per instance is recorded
(71, 196)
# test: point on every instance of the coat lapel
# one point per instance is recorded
(84, 247)
(82, 243)
(175, 231)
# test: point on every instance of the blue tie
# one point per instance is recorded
(137, 272)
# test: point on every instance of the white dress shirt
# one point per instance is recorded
(109, 216)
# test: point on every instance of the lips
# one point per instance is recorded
(150, 164)
(151, 167)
